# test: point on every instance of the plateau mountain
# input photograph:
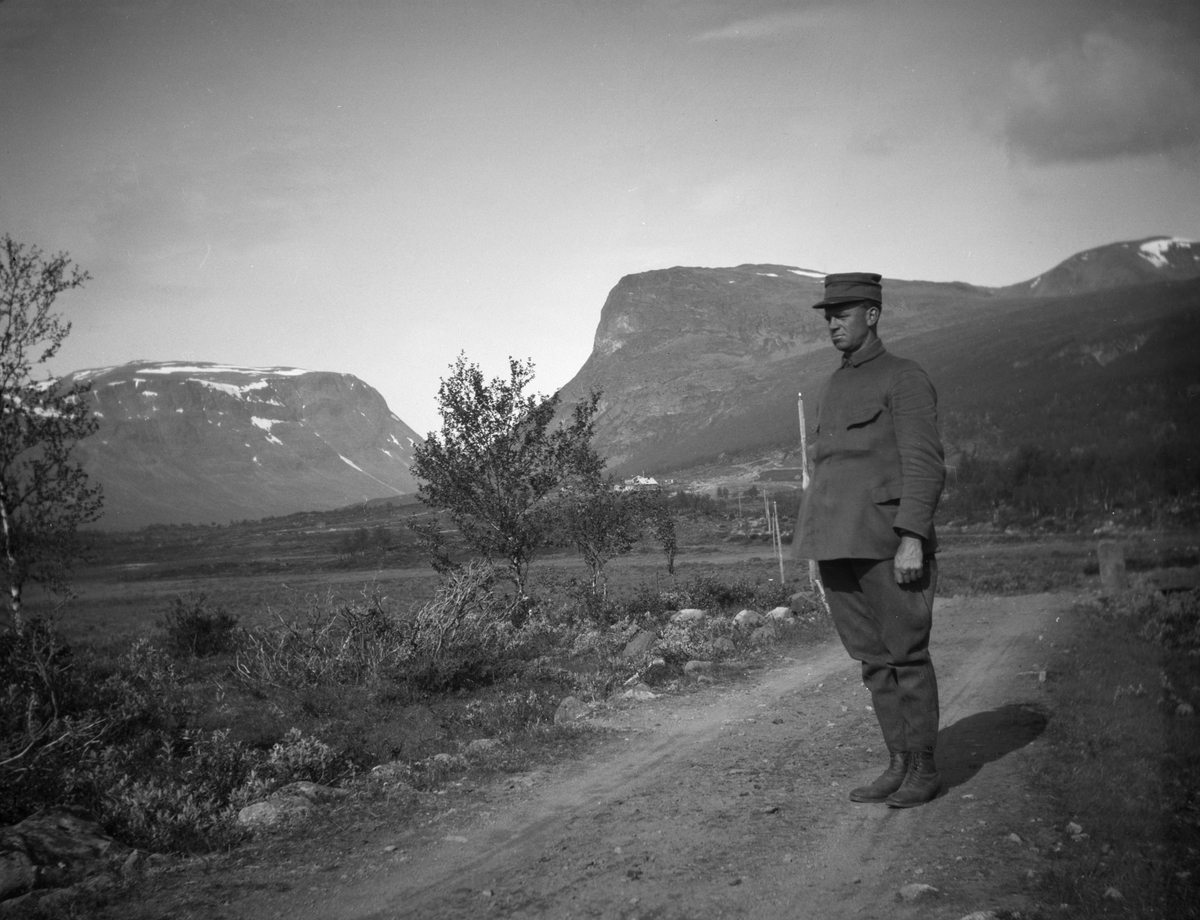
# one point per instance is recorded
(197, 442)
(695, 364)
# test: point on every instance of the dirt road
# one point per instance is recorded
(732, 803)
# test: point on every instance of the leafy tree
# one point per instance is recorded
(601, 519)
(44, 496)
(496, 464)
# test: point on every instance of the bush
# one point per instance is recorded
(348, 645)
(193, 632)
(112, 738)
(1171, 621)
(458, 639)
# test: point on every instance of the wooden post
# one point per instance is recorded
(778, 540)
(814, 576)
(1112, 566)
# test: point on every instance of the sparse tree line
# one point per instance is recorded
(1155, 486)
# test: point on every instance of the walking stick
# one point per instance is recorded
(814, 577)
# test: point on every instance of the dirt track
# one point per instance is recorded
(732, 803)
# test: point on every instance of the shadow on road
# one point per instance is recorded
(964, 747)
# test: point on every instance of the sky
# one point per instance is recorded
(375, 187)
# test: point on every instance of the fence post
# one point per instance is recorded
(1112, 566)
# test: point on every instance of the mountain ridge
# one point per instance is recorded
(696, 362)
(191, 442)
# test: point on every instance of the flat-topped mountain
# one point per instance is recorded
(197, 442)
(695, 363)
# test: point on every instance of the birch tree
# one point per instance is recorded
(44, 494)
(498, 461)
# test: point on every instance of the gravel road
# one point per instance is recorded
(733, 803)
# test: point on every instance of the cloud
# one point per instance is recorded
(1121, 89)
(770, 25)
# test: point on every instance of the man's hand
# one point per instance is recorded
(910, 559)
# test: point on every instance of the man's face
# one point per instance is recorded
(850, 325)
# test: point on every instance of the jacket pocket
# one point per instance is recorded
(857, 416)
(889, 492)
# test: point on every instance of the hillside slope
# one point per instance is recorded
(189, 443)
(696, 363)
(1157, 258)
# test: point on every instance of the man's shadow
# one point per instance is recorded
(964, 747)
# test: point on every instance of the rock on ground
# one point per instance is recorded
(916, 891)
(749, 618)
(53, 848)
(292, 802)
(639, 645)
(571, 709)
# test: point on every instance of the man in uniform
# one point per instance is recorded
(867, 518)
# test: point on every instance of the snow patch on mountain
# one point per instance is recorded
(169, 368)
(265, 424)
(1155, 251)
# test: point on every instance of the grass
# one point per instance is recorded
(1124, 762)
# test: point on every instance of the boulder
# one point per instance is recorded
(18, 874)
(570, 710)
(689, 615)
(749, 618)
(763, 635)
(916, 892)
(639, 692)
(780, 613)
(288, 803)
(53, 848)
(483, 745)
(275, 810)
(395, 772)
(639, 645)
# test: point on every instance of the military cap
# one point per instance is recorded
(851, 287)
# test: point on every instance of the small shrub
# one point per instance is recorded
(511, 711)
(347, 645)
(1173, 621)
(681, 643)
(193, 632)
(298, 758)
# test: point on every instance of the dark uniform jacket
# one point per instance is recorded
(878, 464)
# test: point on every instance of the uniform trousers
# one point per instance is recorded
(886, 626)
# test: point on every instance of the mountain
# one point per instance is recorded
(196, 442)
(697, 363)
(1157, 258)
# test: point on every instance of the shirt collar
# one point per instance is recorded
(864, 354)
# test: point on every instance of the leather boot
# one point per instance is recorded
(921, 783)
(888, 781)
